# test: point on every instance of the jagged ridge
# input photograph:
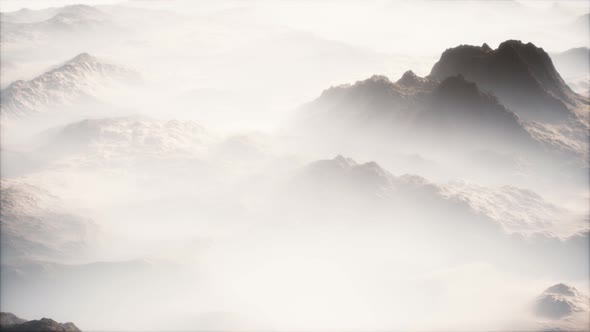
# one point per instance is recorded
(521, 75)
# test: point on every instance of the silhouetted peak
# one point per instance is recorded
(409, 78)
(528, 52)
(521, 75)
(511, 43)
(518, 44)
(409, 74)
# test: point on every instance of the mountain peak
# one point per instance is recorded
(82, 57)
(78, 80)
(562, 289)
(521, 75)
(410, 80)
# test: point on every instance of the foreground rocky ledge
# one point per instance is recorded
(10, 322)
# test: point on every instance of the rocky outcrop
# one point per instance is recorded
(11, 323)
(521, 75)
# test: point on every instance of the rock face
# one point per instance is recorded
(521, 75)
(510, 99)
(417, 109)
(10, 323)
(77, 80)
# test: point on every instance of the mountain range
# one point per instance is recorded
(417, 107)
(514, 210)
(509, 99)
(80, 79)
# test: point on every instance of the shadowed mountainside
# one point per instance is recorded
(521, 75)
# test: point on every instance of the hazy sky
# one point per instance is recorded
(406, 27)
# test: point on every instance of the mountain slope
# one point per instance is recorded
(6, 318)
(521, 75)
(80, 79)
(418, 111)
(514, 210)
(35, 224)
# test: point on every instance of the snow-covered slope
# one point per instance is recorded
(79, 79)
(517, 210)
(38, 225)
(563, 308)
